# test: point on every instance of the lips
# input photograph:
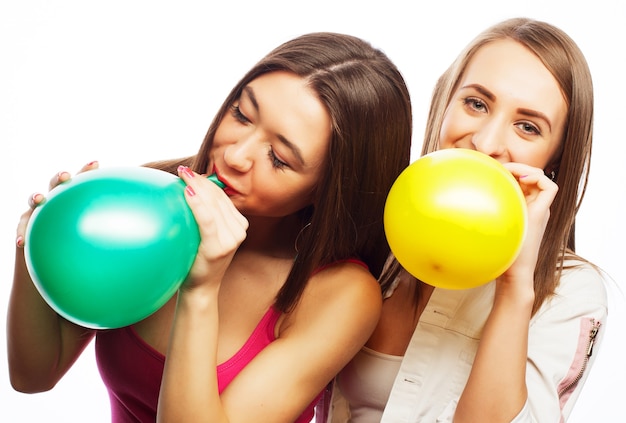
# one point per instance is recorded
(230, 192)
(228, 189)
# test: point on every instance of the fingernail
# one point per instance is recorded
(186, 171)
(19, 241)
(190, 191)
(92, 163)
(33, 200)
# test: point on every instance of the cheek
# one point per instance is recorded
(280, 200)
(449, 130)
(228, 131)
(297, 197)
(220, 136)
(539, 158)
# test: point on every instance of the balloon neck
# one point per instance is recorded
(213, 178)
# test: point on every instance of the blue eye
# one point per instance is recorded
(529, 128)
(276, 162)
(475, 104)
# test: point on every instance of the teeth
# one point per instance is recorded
(213, 178)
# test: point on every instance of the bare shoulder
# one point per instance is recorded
(343, 283)
(345, 295)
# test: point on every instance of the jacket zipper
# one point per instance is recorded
(592, 338)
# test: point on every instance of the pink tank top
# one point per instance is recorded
(131, 369)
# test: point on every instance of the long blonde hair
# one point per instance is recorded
(562, 57)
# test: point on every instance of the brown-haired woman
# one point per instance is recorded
(308, 144)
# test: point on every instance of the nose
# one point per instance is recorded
(240, 154)
(490, 140)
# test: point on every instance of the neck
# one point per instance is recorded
(273, 236)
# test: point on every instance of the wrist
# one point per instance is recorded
(198, 297)
(518, 291)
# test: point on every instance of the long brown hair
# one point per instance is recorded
(369, 105)
(562, 57)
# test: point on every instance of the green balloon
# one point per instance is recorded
(111, 246)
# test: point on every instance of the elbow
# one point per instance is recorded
(30, 388)
(29, 384)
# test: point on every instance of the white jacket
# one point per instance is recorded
(564, 337)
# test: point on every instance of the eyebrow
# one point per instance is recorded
(536, 114)
(527, 112)
(290, 145)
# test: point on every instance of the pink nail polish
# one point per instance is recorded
(186, 171)
(190, 191)
(19, 242)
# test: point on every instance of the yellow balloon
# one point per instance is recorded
(455, 218)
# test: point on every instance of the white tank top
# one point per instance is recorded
(366, 383)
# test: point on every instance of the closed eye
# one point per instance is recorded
(238, 115)
(276, 162)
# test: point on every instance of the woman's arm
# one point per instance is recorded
(496, 390)
(564, 341)
(333, 319)
(338, 311)
(41, 345)
(189, 389)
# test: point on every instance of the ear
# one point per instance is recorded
(552, 169)
(552, 174)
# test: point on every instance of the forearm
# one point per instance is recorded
(36, 334)
(189, 389)
(496, 389)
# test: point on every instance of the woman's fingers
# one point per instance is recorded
(222, 227)
(38, 198)
(35, 199)
(535, 185)
(58, 179)
(216, 215)
(539, 192)
(89, 166)
(64, 176)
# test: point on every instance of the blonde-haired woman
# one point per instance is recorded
(521, 347)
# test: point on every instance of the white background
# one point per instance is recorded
(125, 82)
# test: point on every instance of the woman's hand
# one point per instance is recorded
(222, 229)
(539, 192)
(37, 198)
